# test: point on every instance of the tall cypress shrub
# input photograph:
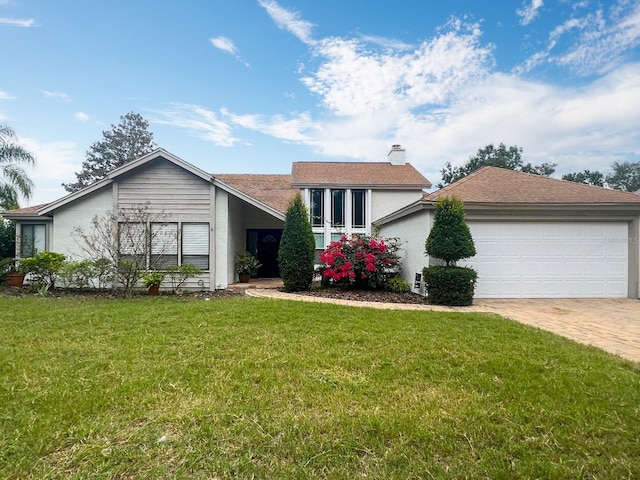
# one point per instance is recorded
(450, 240)
(297, 248)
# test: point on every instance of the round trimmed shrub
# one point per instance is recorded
(450, 285)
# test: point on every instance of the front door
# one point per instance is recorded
(264, 244)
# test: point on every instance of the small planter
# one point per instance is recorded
(244, 277)
(154, 289)
(15, 279)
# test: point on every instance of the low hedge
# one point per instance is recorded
(450, 285)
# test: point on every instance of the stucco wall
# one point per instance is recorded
(78, 215)
(384, 202)
(412, 231)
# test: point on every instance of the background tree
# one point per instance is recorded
(502, 157)
(587, 177)
(625, 176)
(14, 182)
(7, 239)
(297, 248)
(450, 240)
(128, 140)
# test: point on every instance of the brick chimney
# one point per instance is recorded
(396, 155)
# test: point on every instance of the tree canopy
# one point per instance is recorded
(128, 140)
(14, 181)
(624, 176)
(503, 157)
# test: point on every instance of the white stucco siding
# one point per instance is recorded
(76, 215)
(166, 188)
(412, 231)
(384, 202)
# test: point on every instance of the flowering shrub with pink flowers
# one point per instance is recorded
(360, 261)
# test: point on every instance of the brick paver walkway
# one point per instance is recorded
(610, 324)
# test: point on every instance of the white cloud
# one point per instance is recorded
(204, 123)
(6, 96)
(353, 81)
(17, 22)
(528, 13)
(56, 95)
(81, 116)
(289, 21)
(593, 43)
(224, 44)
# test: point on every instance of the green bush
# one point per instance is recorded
(44, 267)
(450, 285)
(178, 275)
(398, 285)
(297, 248)
(450, 238)
(77, 273)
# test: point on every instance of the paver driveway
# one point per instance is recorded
(610, 324)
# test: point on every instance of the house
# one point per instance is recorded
(535, 236)
(217, 216)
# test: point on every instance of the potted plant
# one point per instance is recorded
(245, 265)
(152, 281)
(11, 268)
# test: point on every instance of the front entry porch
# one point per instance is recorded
(264, 245)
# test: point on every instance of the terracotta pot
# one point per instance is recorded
(15, 279)
(244, 277)
(154, 289)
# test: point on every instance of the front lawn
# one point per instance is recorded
(258, 388)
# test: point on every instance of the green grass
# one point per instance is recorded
(257, 388)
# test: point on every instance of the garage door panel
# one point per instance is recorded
(547, 259)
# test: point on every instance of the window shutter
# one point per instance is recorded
(195, 244)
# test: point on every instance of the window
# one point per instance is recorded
(32, 239)
(320, 245)
(317, 207)
(358, 211)
(337, 208)
(132, 242)
(195, 244)
(164, 245)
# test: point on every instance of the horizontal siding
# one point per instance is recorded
(167, 188)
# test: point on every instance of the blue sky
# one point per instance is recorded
(253, 85)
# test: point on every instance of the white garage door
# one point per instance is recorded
(546, 259)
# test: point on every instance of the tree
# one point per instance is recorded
(450, 240)
(128, 140)
(7, 238)
(297, 248)
(125, 244)
(625, 176)
(14, 182)
(502, 157)
(587, 177)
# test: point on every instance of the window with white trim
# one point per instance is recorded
(337, 208)
(32, 239)
(195, 244)
(316, 207)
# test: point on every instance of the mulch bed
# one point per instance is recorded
(366, 295)
(337, 293)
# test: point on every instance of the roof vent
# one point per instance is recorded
(396, 155)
